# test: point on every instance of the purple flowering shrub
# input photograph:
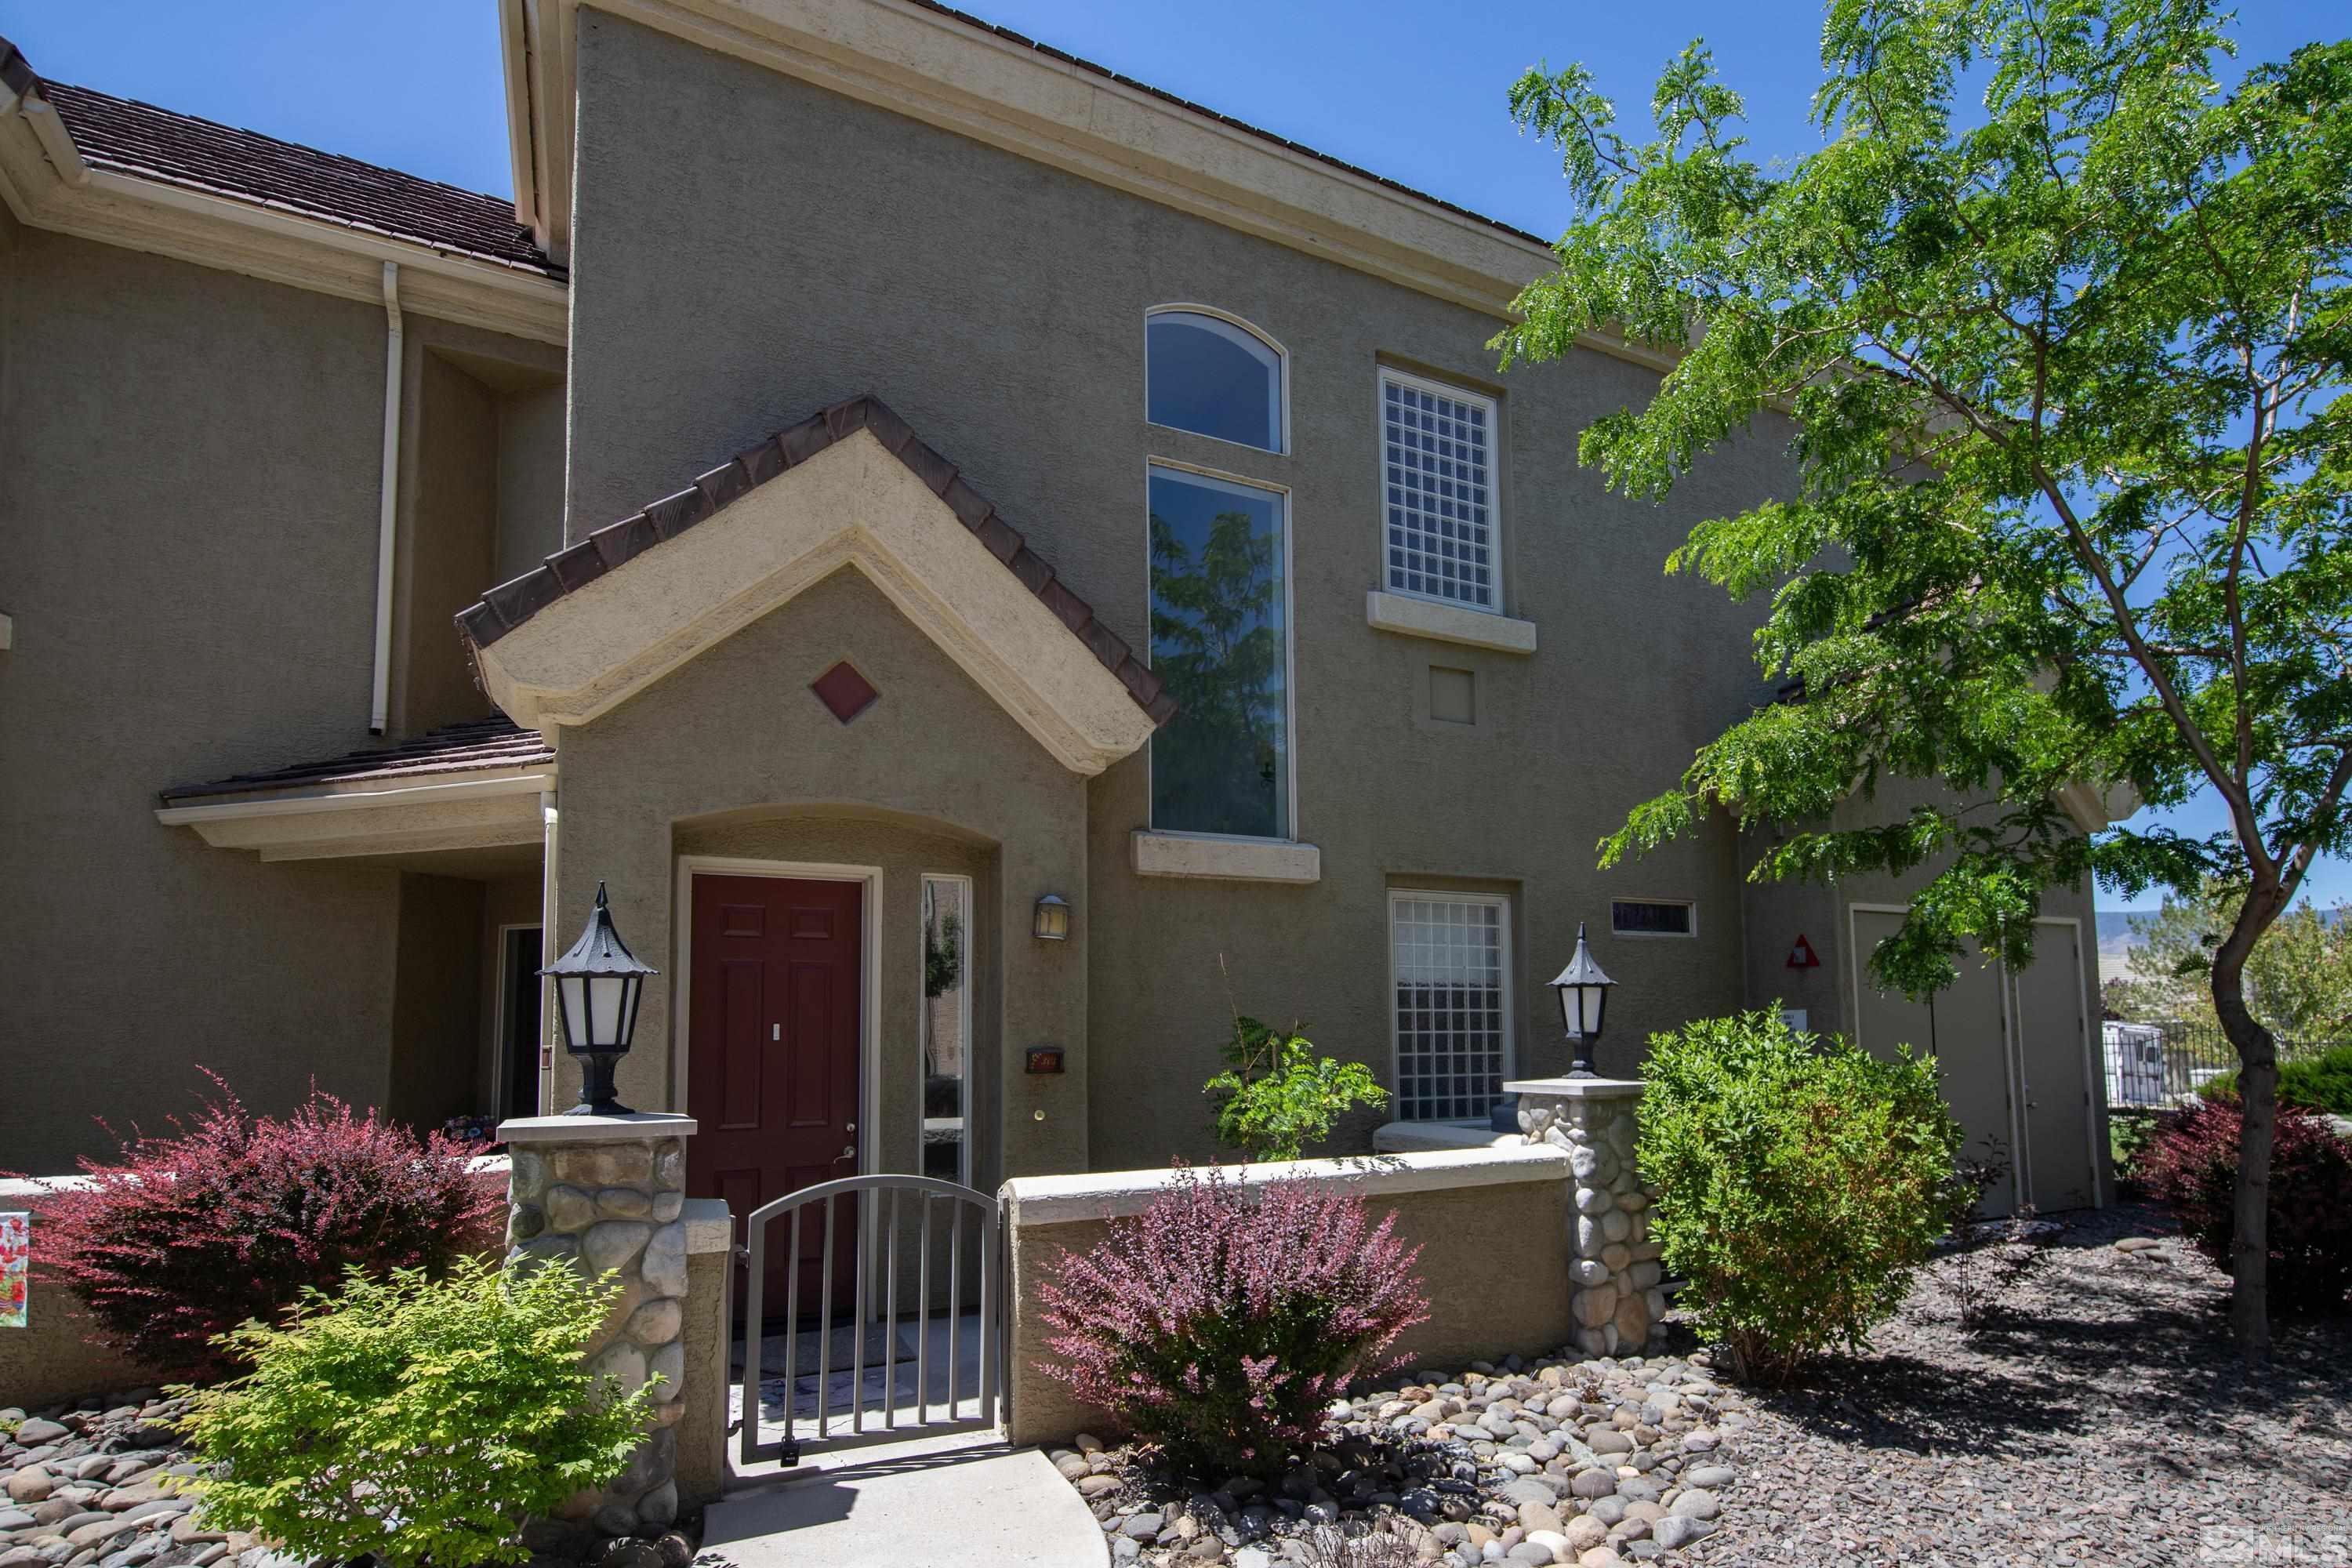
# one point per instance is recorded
(1219, 1322)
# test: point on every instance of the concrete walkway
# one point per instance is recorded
(963, 1500)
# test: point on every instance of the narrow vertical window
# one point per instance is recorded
(946, 1028)
(1220, 607)
(1437, 448)
(1450, 953)
(1213, 377)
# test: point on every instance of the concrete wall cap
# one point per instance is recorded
(637, 1126)
(1057, 1200)
(1576, 1088)
(28, 1191)
(708, 1226)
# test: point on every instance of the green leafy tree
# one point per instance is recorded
(460, 1403)
(2061, 320)
(1277, 1096)
(2298, 977)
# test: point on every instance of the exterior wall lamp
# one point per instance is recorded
(597, 985)
(1583, 992)
(1053, 922)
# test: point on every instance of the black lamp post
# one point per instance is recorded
(1583, 997)
(597, 984)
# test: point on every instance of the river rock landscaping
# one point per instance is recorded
(1595, 1462)
(2089, 1409)
(92, 1483)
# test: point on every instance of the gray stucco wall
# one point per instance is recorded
(531, 479)
(998, 305)
(733, 754)
(188, 513)
(188, 520)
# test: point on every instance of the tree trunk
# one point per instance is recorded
(2258, 1089)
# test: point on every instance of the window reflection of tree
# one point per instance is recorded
(1217, 644)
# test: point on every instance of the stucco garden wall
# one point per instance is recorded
(998, 306)
(1496, 1229)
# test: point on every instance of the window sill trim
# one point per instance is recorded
(1201, 857)
(1447, 623)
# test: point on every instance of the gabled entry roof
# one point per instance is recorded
(850, 487)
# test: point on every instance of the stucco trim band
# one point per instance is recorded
(1225, 859)
(470, 814)
(1058, 1200)
(609, 617)
(1447, 623)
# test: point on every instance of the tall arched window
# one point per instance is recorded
(1213, 376)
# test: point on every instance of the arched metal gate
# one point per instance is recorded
(948, 1378)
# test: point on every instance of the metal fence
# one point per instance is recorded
(2154, 1065)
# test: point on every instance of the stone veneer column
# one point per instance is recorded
(1616, 1299)
(609, 1193)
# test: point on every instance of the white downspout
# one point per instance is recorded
(388, 504)
(547, 949)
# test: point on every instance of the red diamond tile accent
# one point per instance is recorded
(843, 691)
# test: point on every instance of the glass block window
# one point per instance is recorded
(1437, 448)
(1213, 376)
(1450, 955)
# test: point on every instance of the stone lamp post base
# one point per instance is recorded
(1615, 1298)
(608, 1191)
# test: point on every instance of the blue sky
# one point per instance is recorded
(1409, 90)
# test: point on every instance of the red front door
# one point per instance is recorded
(771, 1061)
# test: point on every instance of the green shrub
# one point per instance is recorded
(1801, 1182)
(416, 1419)
(2321, 1083)
(1278, 1096)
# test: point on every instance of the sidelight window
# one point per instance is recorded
(946, 1028)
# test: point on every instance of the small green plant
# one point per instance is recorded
(1277, 1096)
(1801, 1182)
(414, 1419)
(2321, 1083)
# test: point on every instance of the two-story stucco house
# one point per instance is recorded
(993, 566)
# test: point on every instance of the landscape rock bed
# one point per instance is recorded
(1597, 1463)
(90, 1484)
(2097, 1413)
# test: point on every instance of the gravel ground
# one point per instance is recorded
(2098, 1415)
(2091, 1410)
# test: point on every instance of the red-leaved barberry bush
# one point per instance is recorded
(185, 1235)
(2192, 1166)
(1220, 1322)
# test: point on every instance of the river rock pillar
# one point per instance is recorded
(601, 1193)
(1615, 1298)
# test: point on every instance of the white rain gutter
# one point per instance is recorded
(547, 949)
(388, 504)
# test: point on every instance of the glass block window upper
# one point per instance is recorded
(1450, 955)
(1437, 448)
(1220, 611)
(1213, 377)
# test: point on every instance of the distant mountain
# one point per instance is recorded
(2117, 939)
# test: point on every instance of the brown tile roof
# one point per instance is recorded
(150, 143)
(509, 604)
(474, 745)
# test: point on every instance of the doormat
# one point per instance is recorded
(15, 1248)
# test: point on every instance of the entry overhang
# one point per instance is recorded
(610, 615)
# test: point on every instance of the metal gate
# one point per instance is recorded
(887, 1209)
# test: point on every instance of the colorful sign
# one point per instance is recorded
(15, 1250)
